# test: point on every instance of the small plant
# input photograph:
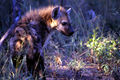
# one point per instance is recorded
(104, 51)
(76, 64)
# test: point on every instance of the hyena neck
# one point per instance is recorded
(46, 17)
(46, 14)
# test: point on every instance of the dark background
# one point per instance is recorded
(109, 11)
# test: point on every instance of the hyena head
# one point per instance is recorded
(61, 22)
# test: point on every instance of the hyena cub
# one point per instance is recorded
(31, 32)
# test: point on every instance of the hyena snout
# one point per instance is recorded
(66, 30)
(69, 31)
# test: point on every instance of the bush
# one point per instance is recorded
(105, 52)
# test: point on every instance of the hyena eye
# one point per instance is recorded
(64, 23)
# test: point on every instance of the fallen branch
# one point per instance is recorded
(7, 33)
(16, 3)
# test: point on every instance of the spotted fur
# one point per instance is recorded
(31, 33)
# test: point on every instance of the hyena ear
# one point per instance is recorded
(68, 11)
(56, 13)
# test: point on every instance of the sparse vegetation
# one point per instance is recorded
(104, 51)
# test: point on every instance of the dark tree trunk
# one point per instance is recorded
(62, 2)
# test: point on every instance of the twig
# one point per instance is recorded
(7, 33)
(16, 17)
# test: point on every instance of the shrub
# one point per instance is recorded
(105, 52)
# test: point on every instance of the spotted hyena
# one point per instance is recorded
(31, 32)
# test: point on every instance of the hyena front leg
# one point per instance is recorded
(35, 62)
(36, 66)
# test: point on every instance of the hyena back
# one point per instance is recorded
(31, 32)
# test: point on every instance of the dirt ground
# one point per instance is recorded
(77, 67)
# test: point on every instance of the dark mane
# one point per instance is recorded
(38, 15)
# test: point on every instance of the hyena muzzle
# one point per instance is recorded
(31, 32)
